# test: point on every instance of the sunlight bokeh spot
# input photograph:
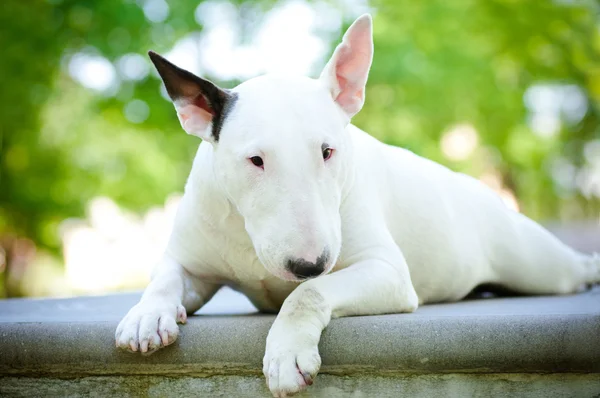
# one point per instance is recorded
(551, 104)
(156, 10)
(136, 111)
(93, 71)
(133, 66)
(459, 142)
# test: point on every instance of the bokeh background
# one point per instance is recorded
(93, 161)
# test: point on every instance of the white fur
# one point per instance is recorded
(402, 230)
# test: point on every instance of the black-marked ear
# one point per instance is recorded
(201, 105)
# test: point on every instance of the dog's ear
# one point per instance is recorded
(201, 105)
(345, 75)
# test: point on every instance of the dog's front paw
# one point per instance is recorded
(290, 364)
(150, 325)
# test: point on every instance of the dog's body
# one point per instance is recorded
(454, 232)
(386, 229)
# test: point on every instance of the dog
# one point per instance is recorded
(312, 218)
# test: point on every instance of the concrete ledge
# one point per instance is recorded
(520, 341)
(327, 386)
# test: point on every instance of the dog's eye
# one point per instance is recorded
(327, 152)
(257, 161)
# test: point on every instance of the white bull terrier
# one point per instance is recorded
(309, 216)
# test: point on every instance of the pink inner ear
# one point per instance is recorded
(195, 120)
(203, 104)
(351, 94)
(344, 97)
(352, 64)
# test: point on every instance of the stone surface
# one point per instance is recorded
(326, 386)
(583, 236)
(525, 334)
(525, 346)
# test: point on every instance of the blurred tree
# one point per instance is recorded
(445, 74)
(440, 63)
(86, 148)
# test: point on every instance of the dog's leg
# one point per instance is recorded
(171, 295)
(531, 260)
(367, 287)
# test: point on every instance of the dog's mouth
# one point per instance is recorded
(289, 277)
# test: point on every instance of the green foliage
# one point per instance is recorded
(439, 63)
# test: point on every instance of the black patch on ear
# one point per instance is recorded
(184, 86)
(218, 120)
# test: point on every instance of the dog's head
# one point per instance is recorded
(281, 152)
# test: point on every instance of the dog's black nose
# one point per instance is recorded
(305, 269)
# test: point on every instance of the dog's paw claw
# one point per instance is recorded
(288, 372)
(147, 327)
(181, 314)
